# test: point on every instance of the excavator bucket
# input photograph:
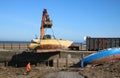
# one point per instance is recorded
(48, 24)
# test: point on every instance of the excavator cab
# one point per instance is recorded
(47, 36)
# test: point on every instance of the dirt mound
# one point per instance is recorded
(12, 72)
(63, 74)
(106, 70)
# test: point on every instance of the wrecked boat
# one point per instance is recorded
(46, 41)
(108, 55)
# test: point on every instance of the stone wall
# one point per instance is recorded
(66, 62)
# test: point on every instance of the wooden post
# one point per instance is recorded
(82, 55)
(11, 46)
(19, 46)
(16, 63)
(3, 45)
(66, 62)
(5, 63)
(48, 63)
(57, 62)
(80, 46)
(27, 45)
(59, 54)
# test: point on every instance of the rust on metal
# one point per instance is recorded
(95, 44)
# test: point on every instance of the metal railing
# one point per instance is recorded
(14, 46)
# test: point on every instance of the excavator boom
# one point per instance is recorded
(46, 23)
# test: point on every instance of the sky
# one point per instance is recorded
(20, 20)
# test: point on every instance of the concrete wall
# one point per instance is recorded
(66, 62)
(56, 58)
(70, 58)
(22, 58)
(75, 54)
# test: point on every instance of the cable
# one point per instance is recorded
(55, 37)
(53, 34)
